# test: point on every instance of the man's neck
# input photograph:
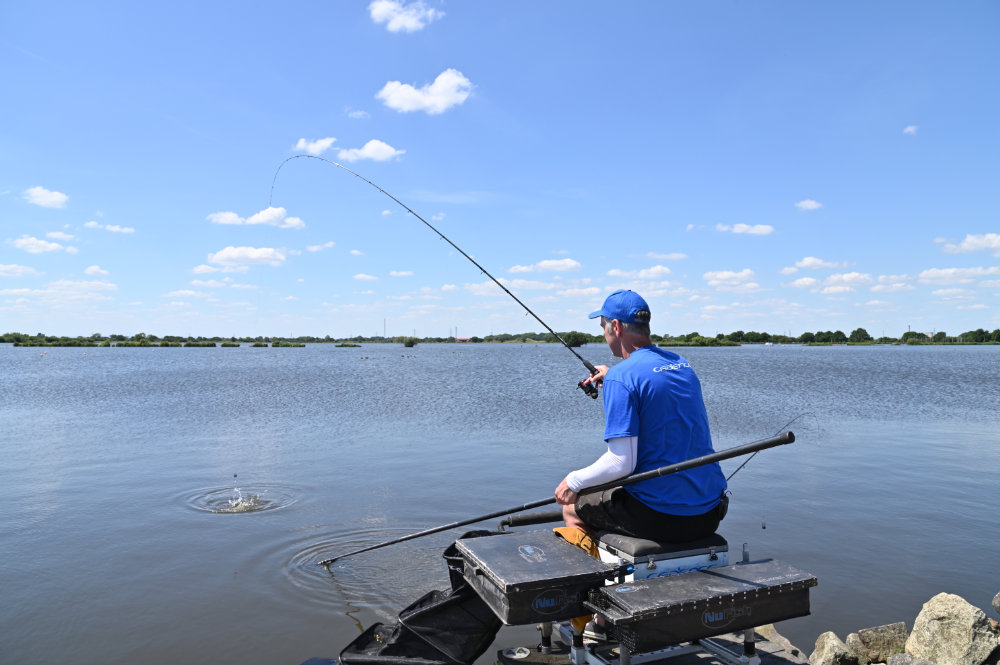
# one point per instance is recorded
(630, 346)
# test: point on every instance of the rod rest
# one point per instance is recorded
(527, 519)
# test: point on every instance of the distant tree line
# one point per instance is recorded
(572, 338)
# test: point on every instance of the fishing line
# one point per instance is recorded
(781, 429)
(589, 389)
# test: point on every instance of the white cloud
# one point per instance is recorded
(489, 288)
(954, 295)
(729, 280)
(837, 290)
(95, 270)
(808, 204)
(184, 293)
(549, 265)
(814, 263)
(755, 230)
(114, 228)
(955, 275)
(365, 278)
(59, 235)
(45, 198)
(910, 129)
(356, 252)
(448, 287)
(38, 246)
(319, 248)
(589, 291)
(450, 88)
(805, 283)
(375, 150)
(402, 17)
(270, 216)
(716, 277)
(211, 283)
(243, 286)
(401, 273)
(892, 287)
(246, 256)
(204, 269)
(976, 306)
(65, 293)
(14, 270)
(974, 243)
(673, 256)
(357, 114)
(848, 279)
(653, 272)
(386, 213)
(790, 270)
(315, 147)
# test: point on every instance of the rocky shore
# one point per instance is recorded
(947, 631)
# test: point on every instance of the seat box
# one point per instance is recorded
(650, 614)
(650, 558)
(531, 576)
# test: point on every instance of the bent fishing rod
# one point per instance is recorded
(754, 447)
(587, 388)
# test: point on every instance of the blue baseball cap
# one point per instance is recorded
(623, 305)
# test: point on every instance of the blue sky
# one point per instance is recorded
(781, 166)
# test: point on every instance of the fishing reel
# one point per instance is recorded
(588, 389)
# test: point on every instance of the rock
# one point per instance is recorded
(771, 634)
(831, 651)
(789, 652)
(906, 659)
(950, 631)
(854, 645)
(880, 642)
(996, 603)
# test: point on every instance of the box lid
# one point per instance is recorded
(526, 560)
(702, 589)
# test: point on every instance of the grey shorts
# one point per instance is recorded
(618, 511)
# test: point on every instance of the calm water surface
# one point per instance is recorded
(119, 542)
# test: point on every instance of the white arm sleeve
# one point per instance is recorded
(618, 462)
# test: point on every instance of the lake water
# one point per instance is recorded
(118, 467)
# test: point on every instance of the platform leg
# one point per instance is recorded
(578, 652)
(546, 629)
(624, 657)
(749, 644)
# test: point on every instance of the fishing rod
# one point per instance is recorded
(588, 388)
(755, 447)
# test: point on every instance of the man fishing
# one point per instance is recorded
(654, 416)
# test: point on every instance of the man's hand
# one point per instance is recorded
(597, 379)
(564, 495)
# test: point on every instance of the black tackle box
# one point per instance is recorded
(656, 612)
(531, 576)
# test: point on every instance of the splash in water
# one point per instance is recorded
(239, 503)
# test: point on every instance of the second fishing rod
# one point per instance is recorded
(588, 388)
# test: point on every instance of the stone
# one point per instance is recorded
(906, 659)
(854, 645)
(996, 603)
(950, 631)
(880, 642)
(830, 650)
(771, 634)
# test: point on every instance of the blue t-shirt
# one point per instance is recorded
(654, 395)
